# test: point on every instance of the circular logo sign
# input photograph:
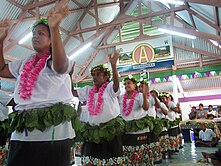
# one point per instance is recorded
(143, 53)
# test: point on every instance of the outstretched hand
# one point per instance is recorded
(4, 26)
(114, 57)
(55, 15)
(145, 89)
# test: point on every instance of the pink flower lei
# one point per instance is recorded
(127, 111)
(30, 74)
(97, 109)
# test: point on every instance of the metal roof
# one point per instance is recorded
(108, 23)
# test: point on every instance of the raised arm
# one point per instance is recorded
(74, 92)
(145, 92)
(113, 61)
(4, 70)
(59, 58)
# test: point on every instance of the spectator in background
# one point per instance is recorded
(211, 114)
(202, 114)
(193, 114)
(207, 137)
(218, 111)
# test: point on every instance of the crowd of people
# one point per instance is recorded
(203, 114)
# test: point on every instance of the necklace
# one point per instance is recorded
(127, 111)
(97, 109)
(30, 74)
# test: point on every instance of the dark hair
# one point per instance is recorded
(44, 22)
(201, 104)
(171, 97)
(103, 69)
(130, 77)
(41, 21)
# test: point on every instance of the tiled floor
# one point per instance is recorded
(188, 156)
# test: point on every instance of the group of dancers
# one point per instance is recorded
(135, 128)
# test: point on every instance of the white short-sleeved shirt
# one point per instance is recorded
(171, 114)
(208, 135)
(211, 113)
(110, 108)
(152, 109)
(4, 100)
(50, 88)
(160, 112)
(137, 111)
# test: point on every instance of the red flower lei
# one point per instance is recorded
(30, 74)
(97, 109)
(127, 111)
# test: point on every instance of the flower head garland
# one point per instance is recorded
(102, 68)
(142, 81)
(130, 77)
(166, 94)
(96, 110)
(127, 110)
(30, 74)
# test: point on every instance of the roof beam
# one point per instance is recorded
(192, 32)
(122, 20)
(181, 46)
(204, 19)
(206, 2)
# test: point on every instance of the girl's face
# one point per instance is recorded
(99, 77)
(130, 85)
(164, 99)
(41, 38)
(140, 87)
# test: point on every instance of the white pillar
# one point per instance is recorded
(175, 88)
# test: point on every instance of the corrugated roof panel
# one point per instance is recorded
(23, 26)
(70, 21)
(71, 45)
(23, 2)
(8, 10)
(111, 12)
(72, 5)
(43, 10)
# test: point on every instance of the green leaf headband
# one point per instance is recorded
(101, 68)
(40, 21)
(164, 94)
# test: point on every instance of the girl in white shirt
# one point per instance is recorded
(42, 118)
(173, 127)
(102, 135)
(164, 137)
(134, 106)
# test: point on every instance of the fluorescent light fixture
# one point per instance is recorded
(176, 33)
(176, 2)
(80, 50)
(215, 42)
(29, 35)
(179, 85)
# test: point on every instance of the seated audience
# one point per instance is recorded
(202, 114)
(207, 137)
(211, 113)
(218, 113)
(193, 114)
